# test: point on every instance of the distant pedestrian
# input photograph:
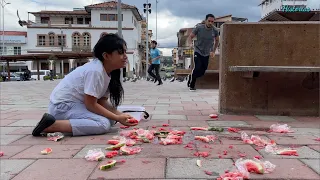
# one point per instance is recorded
(155, 63)
(205, 46)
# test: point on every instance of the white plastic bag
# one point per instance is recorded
(95, 155)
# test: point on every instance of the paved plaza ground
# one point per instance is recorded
(23, 104)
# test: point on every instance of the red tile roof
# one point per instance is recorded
(77, 12)
(14, 33)
(111, 4)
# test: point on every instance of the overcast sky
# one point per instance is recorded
(172, 14)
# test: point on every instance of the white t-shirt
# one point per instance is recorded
(90, 79)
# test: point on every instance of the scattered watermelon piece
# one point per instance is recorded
(288, 152)
(46, 151)
(125, 150)
(213, 116)
(201, 154)
(235, 130)
(165, 125)
(199, 128)
(253, 166)
(208, 138)
(232, 176)
(317, 139)
(130, 142)
(176, 132)
(154, 126)
(124, 127)
(242, 154)
(111, 154)
(133, 121)
(231, 147)
(208, 172)
(1, 153)
(109, 165)
(116, 147)
(121, 161)
(162, 129)
(258, 157)
(225, 152)
(113, 142)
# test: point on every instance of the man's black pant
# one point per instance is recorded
(200, 67)
(156, 68)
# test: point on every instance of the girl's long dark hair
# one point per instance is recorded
(108, 44)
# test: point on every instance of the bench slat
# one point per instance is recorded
(274, 69)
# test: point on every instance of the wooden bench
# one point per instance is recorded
(273, 69)
(254, 71)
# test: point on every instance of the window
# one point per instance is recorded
(87, 20)
(45, 20)
(103, 17)
(61, 39)
(1, 50)
(51, 39)
(112, 17)
(17, 50)
(68, 20)
(86, 39)
(109, 17)
(76, 39)
(41, 40)
(79, 20)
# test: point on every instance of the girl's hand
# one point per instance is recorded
(122, 118)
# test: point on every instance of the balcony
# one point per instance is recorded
(81, 48)
(56, 24)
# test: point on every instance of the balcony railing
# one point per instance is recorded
(81, 48)
(57, 24)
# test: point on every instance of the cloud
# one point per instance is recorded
(168, 26)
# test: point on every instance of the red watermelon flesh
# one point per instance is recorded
(253, 166)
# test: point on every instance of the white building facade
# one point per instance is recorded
(13, 43)
(267, 6)
(79, 30)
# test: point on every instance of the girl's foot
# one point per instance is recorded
(46, 121)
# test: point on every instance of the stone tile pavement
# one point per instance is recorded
(23, 103)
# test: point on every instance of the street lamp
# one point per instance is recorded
(147, 10)
(157, 20)
(3, 4)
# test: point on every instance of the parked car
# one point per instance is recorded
(13, 76)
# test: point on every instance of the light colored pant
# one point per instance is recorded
(83, 122)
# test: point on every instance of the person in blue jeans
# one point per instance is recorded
(155, 63)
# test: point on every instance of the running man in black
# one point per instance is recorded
(205, 46)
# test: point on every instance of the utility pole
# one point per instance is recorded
(120, 31)
(157, 20)
(62, 61)
(3, 4)
(147, 9)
